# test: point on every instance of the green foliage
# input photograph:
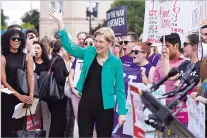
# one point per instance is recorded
(135, 14)
(3, 19)
(32, 17)
(3, 27)
(93, 30)
(27, 25)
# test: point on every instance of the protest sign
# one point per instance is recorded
(138, 114)
(196, 114)
(180, 18)
(178, 25)
(146, 128)
(78, 68)
(36, 119)
(117, 20)
(130, 75)
(150, 32)
(195, 12)
(165, 17)
(203, 12)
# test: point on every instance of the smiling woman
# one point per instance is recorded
(101, 78)
(13, 43)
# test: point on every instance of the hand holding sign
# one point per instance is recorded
(165, 52)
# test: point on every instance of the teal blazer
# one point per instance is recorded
(112, 73)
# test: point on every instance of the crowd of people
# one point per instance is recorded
(91, 73)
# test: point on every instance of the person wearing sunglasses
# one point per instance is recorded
(190, 47)
(127, 43)
(12, 43)
(88, 41)
(100, 80)
(140, 54)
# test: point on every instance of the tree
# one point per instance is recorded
(27, 26)
(32, 17)
(3, 20)
(135, 14)
(93, 30)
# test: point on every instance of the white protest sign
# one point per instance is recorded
(137, 113)
(195, 12)
(128, 126)
(180, 18)
(150, 32)
(78, 68)
(203, 12)
(178, 25)
(165, 17)
(196, 117)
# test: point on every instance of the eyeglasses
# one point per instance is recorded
(136, 52)
(124, 42)
(88, 43)
(14, 38)
(185, 44)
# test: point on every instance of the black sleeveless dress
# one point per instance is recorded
(14, 61)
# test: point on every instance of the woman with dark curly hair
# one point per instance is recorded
(42, 64)
(41, 58)
(13, 43)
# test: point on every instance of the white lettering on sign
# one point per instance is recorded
(116, 22)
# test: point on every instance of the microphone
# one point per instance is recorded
(187, 74)
(173, 93)
(193, 82)
(171, 73)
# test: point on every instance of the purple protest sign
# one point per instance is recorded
(130, 75)
(117, 20)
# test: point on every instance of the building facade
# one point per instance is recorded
(74, 16)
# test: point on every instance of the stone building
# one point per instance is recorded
(74, 16)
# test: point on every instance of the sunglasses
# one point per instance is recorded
(124, 42)
(185, 44)
(88, 44)
(136, 52)
(16, 38)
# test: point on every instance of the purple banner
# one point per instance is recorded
(130, 75)
(117, 20)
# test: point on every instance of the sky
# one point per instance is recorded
(16, 9)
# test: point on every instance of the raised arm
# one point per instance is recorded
(69, 46)
(166, 63)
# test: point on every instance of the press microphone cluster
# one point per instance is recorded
(186, 79)
(171, 73)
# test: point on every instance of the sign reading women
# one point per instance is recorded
(117, 20)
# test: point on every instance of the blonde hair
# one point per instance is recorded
(108, 34)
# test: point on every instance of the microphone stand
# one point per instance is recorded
(163, 116)
(184, 93)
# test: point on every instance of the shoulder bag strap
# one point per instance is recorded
(52, 64)
(24, 61)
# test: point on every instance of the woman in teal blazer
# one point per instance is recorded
(101, 78)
